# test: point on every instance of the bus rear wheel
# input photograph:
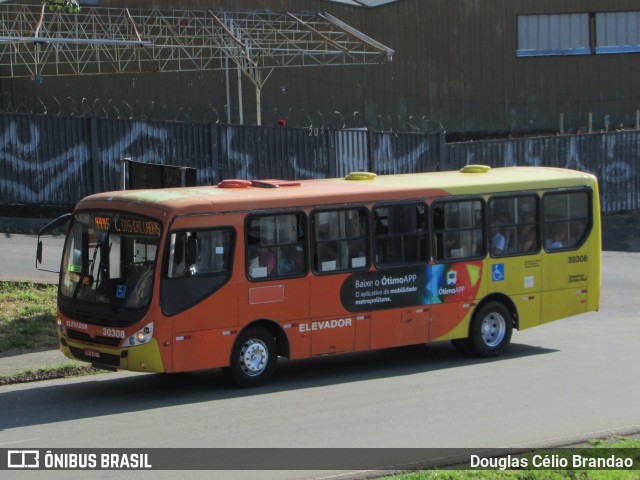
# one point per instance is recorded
(253, 358)
(491, 330)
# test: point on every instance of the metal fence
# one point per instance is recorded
(58, 160)
(613, 157)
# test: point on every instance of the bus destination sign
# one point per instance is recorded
(127, 225)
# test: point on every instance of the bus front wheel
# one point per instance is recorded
(491, 330)
(253, 359)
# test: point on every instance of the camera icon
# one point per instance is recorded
(23, 459)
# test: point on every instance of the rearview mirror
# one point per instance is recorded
(54, 231)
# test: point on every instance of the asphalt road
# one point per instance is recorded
(18, 254)
(560, 383)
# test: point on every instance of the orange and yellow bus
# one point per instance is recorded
(239, 274)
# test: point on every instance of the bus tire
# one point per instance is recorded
(491, 330)
(253, 359)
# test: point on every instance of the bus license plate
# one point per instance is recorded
(91, 353)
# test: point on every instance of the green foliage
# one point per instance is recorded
(27, 316)
(72, 6)
(613, 442)
(518, 475)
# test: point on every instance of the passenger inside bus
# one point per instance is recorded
(266, 259)
(556, 240)
(499, 241)
(262, 262)
(453, 249)
(287, 261)
(527, 236)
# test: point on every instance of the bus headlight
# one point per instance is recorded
(60, 325)
(142, 336)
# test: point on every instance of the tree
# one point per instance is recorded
(72, 6)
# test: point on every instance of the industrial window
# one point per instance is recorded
(618, 32)
(556, 34)
(578, 34)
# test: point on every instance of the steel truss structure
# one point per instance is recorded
(36, 40)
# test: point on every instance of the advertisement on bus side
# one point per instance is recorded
(411, 286)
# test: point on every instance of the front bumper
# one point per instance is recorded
(141, 358)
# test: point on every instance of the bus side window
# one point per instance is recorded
(178, 255)
(566, 219)
(513, 225)
(400, 234)
(199, 263)
(201, 252)
(276, 246)
(458, 229)
(340, 240)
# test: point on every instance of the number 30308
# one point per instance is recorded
(113, 333)
(578, 259)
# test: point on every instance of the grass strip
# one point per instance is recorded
(615, 443)
(27, 316)
(49, 373)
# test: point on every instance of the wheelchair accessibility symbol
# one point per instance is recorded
(121, 291)
(497, 272)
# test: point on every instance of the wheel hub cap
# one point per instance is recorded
(493, 329)
(254, 357)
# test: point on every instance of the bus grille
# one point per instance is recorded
(125, 319)
(84, 337)
(105, 358)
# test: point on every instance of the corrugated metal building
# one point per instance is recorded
(462, 65)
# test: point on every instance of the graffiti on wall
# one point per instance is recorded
(26, 175)
(612, 157)
(77, 160)
(60, 160)
(414, 154)
(255, 152)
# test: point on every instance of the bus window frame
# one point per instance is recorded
(483, 228)
(514, 225)
(189, 282)
(313, 241)
(427, 233)
(304, 221)
(544, 223)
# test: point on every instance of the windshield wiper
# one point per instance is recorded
(87, 273)
(103, 272)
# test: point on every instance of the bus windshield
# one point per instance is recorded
(109, 259)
